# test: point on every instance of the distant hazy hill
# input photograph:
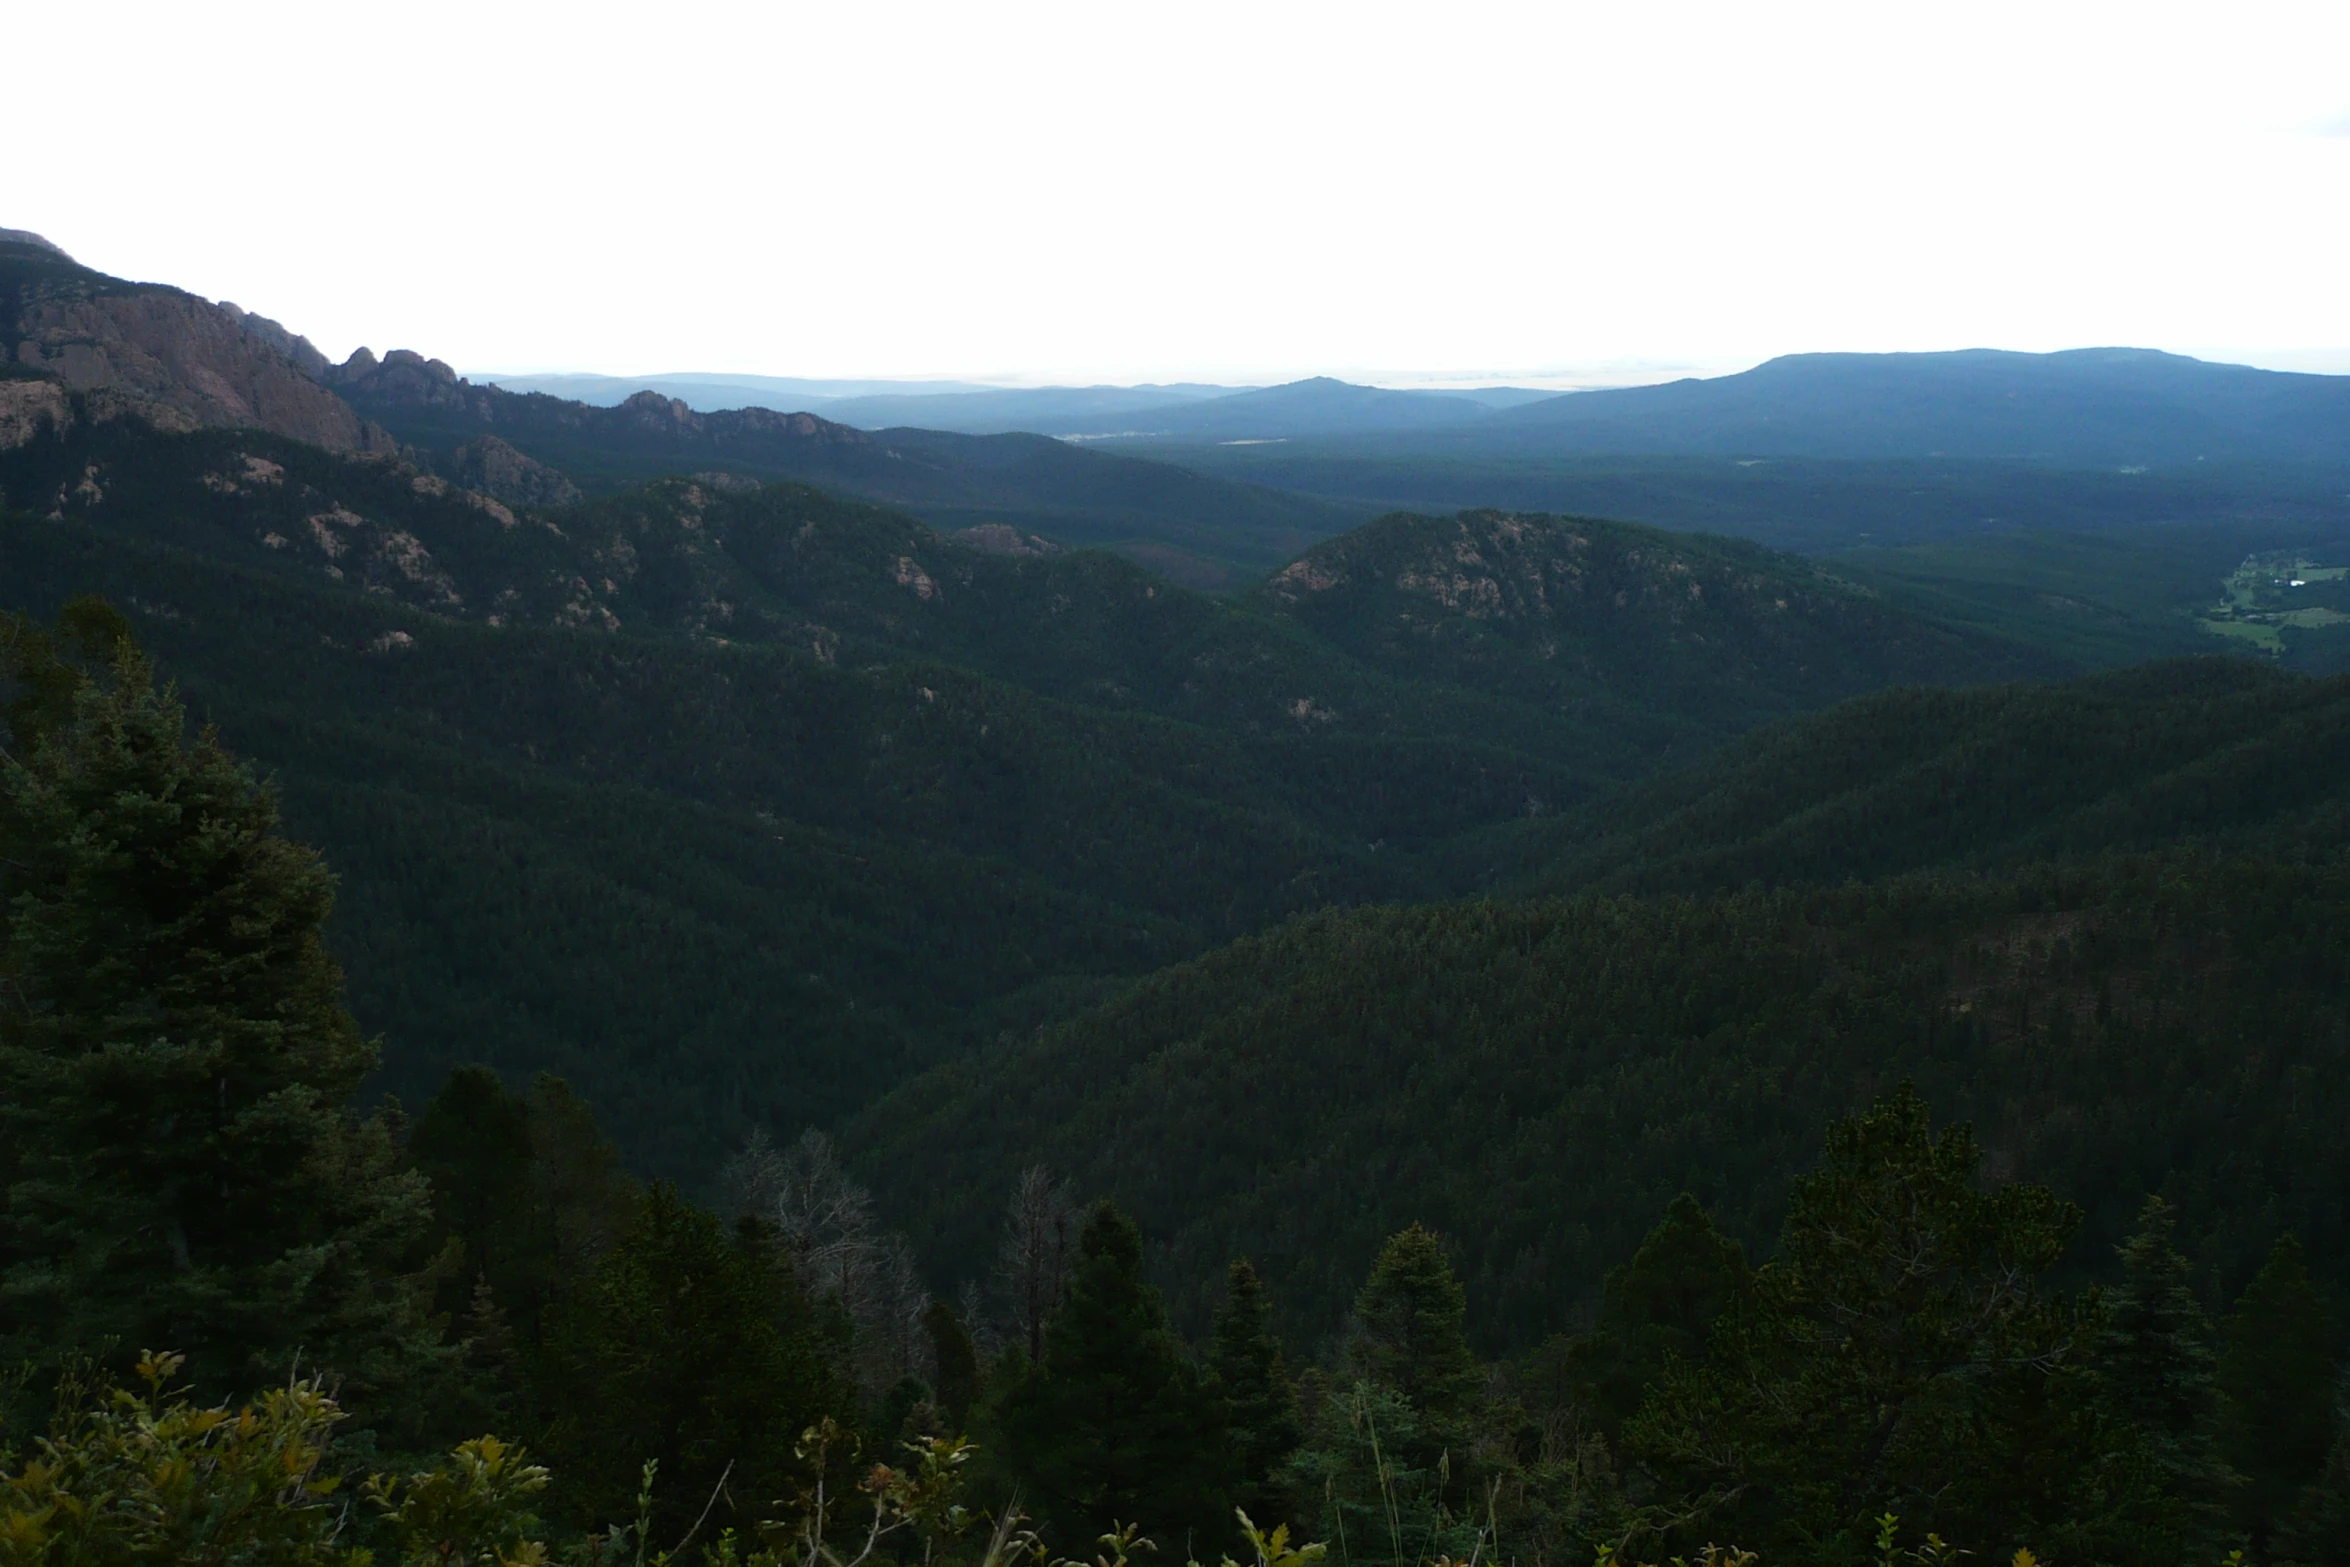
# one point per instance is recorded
(2093, 406)
(705, 392)
(1043, 410)
(1185, 412)
(1316, 407)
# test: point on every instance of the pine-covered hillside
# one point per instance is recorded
(1537, 1081)
(1558, 610)
(2218, 750)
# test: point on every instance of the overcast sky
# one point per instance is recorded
(1250, 191)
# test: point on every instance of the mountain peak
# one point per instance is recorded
(32, 241)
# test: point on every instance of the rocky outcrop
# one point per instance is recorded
(405, 377)
(1001, 538)
(28, 407)
(497, 468)
(172, 358)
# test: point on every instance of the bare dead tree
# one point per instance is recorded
(824, 1222)
(1040, 1236)
(751, 1183)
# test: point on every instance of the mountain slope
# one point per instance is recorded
(1537, 1081)
(1559, 611)
(2220, 750)
(1318, 406)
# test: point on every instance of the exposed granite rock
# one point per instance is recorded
(168, 356)
(1001, 538)
(28, 407)
(496, 468)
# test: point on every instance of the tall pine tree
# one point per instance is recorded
(2152, 1364)
(693, 1346)
(1114, 1425)
(1259, 1403)
(1655, 1307)
(1414, 1329)
(2276, 1380)
(182, 1170)
(954, 1360)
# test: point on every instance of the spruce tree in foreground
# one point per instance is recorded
(2276, 1379)
(1899, 1354)
(2153, 1367)
(181, 1170)
(955, 1362)
(1414, 1335)
(693, 1346)
(1657, 1307)
(1114, 1425)
(1260, 1406)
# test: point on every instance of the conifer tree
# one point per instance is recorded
(1656, 1306)
(2319, 1533)
(1414, 1329)
(2153, 1366)
(2276, 1382)
(1897, 1354)
(472, 1142)
(955, 1364)
(691, 1346)
(1259, 1403)
(1114, 1425)
(181, 1167)
(527, 1187)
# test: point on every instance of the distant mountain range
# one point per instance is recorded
(2092, 407)
(1175, 410)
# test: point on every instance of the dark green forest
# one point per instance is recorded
(184, 1168)
(741, 805)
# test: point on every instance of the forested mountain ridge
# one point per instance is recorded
(1537, 1080)
(1385, 632)
(2215, 750)
(1556, 610)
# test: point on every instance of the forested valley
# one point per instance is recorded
(681, 1016)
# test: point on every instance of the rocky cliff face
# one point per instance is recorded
(175, 360)
(496, 468)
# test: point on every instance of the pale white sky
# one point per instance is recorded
(1228, 191)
